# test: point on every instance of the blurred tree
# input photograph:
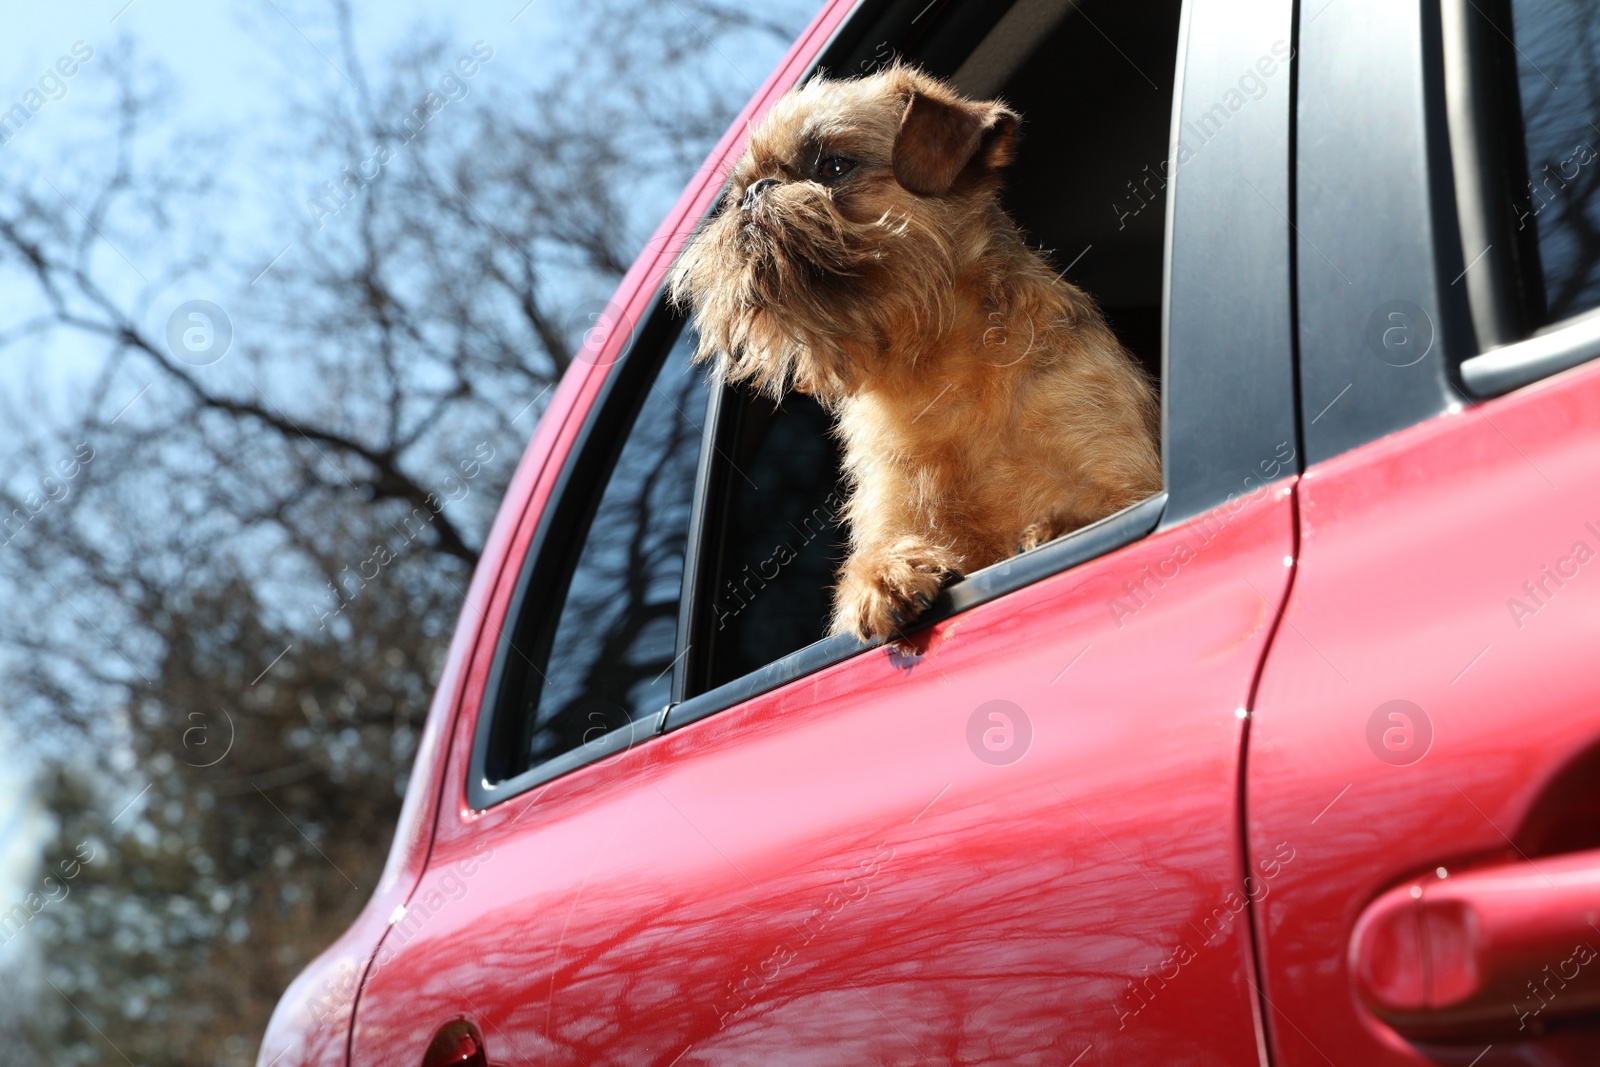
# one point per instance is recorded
(232, 571)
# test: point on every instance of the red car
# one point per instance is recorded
(1296, 763)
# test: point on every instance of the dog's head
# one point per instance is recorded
(852, 210)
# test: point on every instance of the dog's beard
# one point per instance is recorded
(793, 242)
(793, 293)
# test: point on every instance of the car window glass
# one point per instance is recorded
(607, 660)
(1558, 78)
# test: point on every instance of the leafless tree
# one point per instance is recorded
(231, 571)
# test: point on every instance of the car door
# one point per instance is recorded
(1428, 724)
(1020, 845)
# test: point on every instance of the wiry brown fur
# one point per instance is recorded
(982, 403)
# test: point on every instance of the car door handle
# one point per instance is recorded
(457, 1044)
(1497, 952)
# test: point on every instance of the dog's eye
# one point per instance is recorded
(833, 168)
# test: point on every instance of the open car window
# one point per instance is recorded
(773, 538)
(687, 558)
(773, 556)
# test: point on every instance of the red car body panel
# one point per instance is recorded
(830, 873)
(1439, 566)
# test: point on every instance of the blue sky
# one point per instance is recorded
(227, 63)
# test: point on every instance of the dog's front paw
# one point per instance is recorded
(1046, 530)
(1036, 534)
(882, 593)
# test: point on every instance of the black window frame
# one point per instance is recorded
(1215, 422)
(553, 552)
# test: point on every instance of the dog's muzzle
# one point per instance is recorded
(753, 193)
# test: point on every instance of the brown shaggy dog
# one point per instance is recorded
(861, 255)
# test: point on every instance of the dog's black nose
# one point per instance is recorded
(752, 194)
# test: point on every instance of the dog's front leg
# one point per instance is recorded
(1044, 531)
(886, 584)
(1063, 521)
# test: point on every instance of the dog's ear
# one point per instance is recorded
(938, 139)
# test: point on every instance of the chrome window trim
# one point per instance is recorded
(1556, 348)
